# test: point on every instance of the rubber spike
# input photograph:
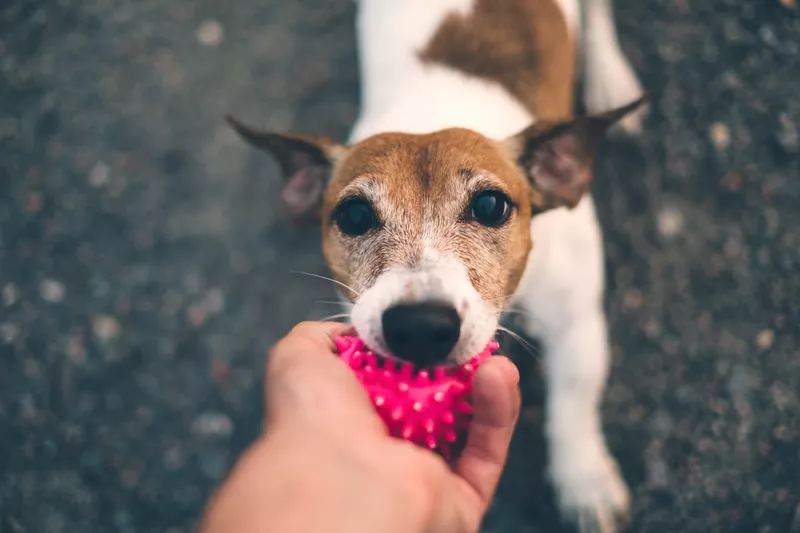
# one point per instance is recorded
(430, 442)
(448, 418)
(343, 344)
(368, 375)
(430, 408)
(397, 413)
(464, 408)
(406, 371)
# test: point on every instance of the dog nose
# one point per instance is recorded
(422, 333)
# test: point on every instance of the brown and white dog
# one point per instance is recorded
(463, 190)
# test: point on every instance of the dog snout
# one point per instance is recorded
(423, 333)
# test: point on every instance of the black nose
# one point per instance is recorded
(422, 333)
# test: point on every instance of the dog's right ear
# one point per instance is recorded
(306, 163)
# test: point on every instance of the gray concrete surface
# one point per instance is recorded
(145, 271)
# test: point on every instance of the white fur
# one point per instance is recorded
(437, 277)
(561, 292)
(400, 93)
(609, 78)
(572, 14)
(563, 284)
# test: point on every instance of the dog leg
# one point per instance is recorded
(563, 299)
(590, 490)
(609, 78)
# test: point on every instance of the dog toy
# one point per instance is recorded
(430, 408)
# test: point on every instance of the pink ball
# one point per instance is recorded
(430, 409)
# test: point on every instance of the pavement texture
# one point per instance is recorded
(145, 269)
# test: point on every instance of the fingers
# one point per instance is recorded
(307, 340)
(307, 350)
(306, 382)
(306, 355)
(496, 401)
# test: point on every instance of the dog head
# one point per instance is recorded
(432, 232)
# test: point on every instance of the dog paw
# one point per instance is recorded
(591, 495)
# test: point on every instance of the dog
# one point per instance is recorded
(464, 189)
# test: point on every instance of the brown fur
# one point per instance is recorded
(424, 185)
(524, 45)
(421, 186)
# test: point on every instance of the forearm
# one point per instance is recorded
(260, 494)
(278, 487)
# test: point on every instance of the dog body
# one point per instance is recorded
(562, 286)
(402, 92)
(463, 191)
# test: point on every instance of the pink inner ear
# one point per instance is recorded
(301, 192)
(558, 167)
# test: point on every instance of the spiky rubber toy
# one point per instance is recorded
(429, 408)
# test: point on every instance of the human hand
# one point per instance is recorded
(325, 462)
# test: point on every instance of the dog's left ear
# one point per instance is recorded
(557, 157)
(306, 163)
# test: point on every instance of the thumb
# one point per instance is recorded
(496, 401)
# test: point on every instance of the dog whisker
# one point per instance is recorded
(334, 317)
(516, 312)
(530, 348)
(348, 287)
(345, 305)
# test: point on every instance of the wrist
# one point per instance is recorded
(290, 482)
(265, 491)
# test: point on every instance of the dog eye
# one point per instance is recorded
(491, 208)
(355, 217)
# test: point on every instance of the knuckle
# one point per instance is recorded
(297, 337)
(304, 328)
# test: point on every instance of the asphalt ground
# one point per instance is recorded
(145, 269)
